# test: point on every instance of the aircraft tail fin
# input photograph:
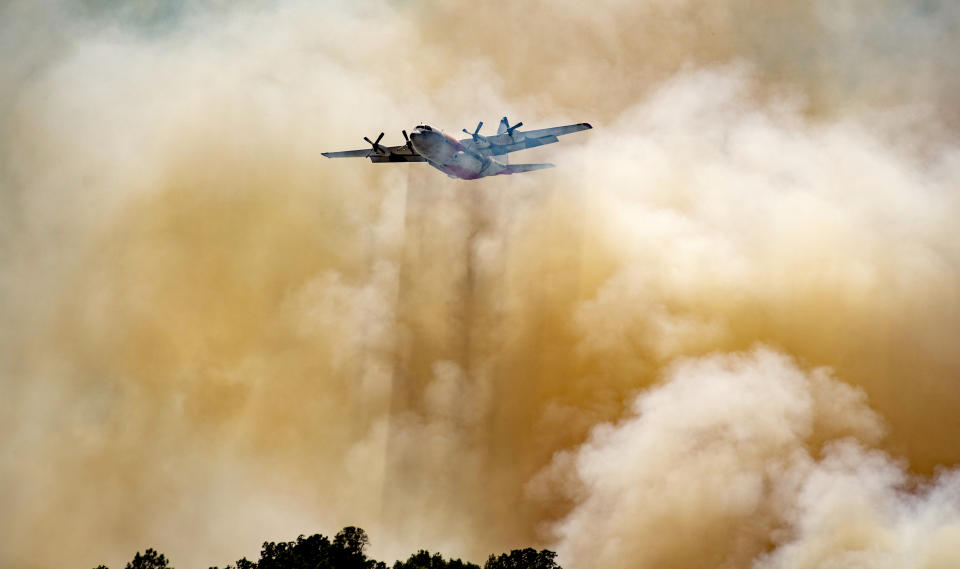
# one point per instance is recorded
(504, 125)
(518, 168)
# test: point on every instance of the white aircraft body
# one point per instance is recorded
(469, 158)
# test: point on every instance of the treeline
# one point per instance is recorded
(346, 551)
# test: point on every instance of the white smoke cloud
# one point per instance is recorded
(717, 467)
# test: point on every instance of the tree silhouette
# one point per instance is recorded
(423, 560)
(316, 552)
(346, 551)
(528, 558)
(151, 559)
(352, 539)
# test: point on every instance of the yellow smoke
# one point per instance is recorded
(213, 336)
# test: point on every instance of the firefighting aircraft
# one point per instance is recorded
(469, 158)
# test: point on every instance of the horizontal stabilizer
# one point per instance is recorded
(518, 168)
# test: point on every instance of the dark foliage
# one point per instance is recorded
(316, 552)
(346, 551)
(423, 560)
(523, 559)
(149, 560)
(352, 540)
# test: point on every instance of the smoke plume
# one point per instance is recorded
(721, 333)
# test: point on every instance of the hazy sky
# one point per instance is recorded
(722, 333)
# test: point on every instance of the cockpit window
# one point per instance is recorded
(423, 127)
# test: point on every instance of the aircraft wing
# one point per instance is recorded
(520, 140)
(556, 130)
(349, 153)
(400, 153)
(404, 155)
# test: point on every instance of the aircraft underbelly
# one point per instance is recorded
(459, 164)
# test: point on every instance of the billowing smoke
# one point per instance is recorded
(717, 468)
(722, 333)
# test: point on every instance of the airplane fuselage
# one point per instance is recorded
(467, 158)
(446, 154)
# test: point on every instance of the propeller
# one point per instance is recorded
(376, 145)
(506, 128)
(476, 133)
(407, 138)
